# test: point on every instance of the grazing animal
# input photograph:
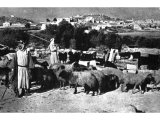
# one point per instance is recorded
(4, 76)
(117, 72)
(106, 82)
(74, 56)
(37, 75)
(70, 74)
(42, 75)
(63, 76)
(42, 64)
(38, 71)
(78, 67)
(55, 66)
(113, 81)
(62, 57)
(135, 80)
(103, 82)
(49, 79)
(71, 57)
(85, 79)
(156, 78)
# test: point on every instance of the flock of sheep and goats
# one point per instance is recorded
(95, 79)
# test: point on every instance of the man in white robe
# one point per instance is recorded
(54, 52)
(24, 63)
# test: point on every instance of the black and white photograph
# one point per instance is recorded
(88, 58)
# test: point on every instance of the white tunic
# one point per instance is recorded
(23, 61)
(111, 55)
(54, 54)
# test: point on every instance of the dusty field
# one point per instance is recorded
(64, 101)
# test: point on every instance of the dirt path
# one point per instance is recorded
(64, 101)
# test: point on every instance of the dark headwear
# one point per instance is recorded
(21, 42)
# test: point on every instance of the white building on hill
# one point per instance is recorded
(136, 27)
(89, 18)
(43, 27)
(56, 22)
(6, 24)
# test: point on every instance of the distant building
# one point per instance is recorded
(73, 23)
(149, 20)
(57, 21)
(18, 25)
(103, 26)
(6, 24)
(67, 19)
(129, 21)
(89, 19)
(136, 27)
(43, 27)
(12, 16)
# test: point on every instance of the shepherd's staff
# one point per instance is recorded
(39, 37)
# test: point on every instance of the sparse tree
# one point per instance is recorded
(55, 19)
(47, 20)
(27, 25)
(82, 40)
(64, 34)
(51, 29)
(93, 37)
(110, 40)
(10, 37)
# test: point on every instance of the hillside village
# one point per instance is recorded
(98, 22)
(92, 21)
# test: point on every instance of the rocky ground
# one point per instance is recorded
(64, 101)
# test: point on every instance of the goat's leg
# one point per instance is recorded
(63, 85)
(87, 92)
(140, 89)
(123, 87)
(75, 89)
(116, 85)
(146, 89)
(93, 93)
(97, 92)
(60, 85)
(153, 87)
(133, 91)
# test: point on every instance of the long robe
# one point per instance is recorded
(111, 55)
(54, 53)
(24, 62)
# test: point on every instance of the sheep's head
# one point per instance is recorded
(150, 79)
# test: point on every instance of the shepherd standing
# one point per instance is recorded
(54, 52)
(24, 63)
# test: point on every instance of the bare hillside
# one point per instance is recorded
(40, 14)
